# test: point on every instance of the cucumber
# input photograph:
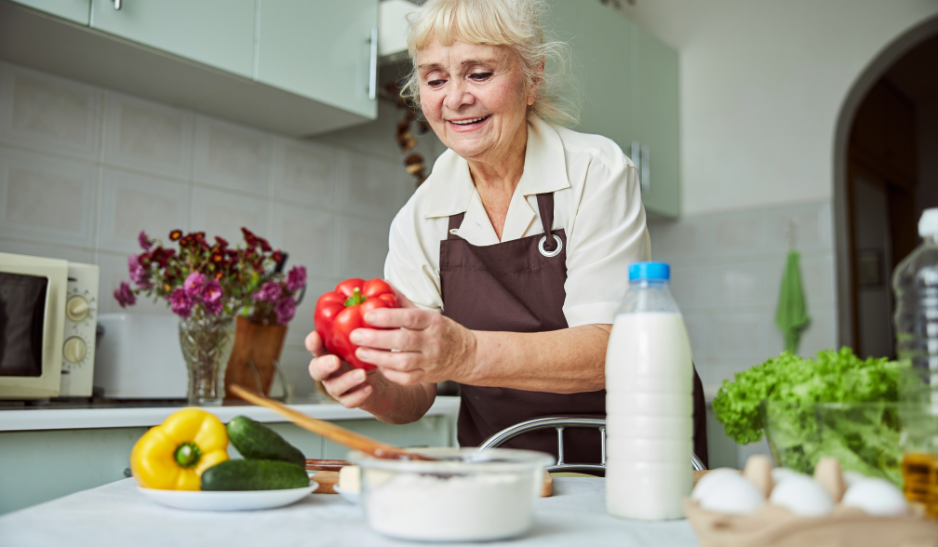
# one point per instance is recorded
(254, 475)
(256, 441)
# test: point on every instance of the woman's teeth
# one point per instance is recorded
(466, 122)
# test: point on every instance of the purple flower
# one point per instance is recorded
(269, 292)
(180, 302)
(212, 293)
(137, 272)
(214, 308)
(144, 241)
(124, 295)
(296, 278)
(193, 285)
(285, 310)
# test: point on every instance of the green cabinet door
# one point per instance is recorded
(218, 33)
(319, 49)
(76, 11)
(656, 119)
(600, 65)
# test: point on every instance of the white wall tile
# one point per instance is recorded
(679, 239)
(47, 199)
(49, 113)
(294, 361)
(231, 156)
(736, 234)
(131, 202)
(740, 284)
(113, 271)
(362, 247)
(811, 223)
(147, 136)
(691, 284)
(741, 334)
(303, 172)
(222, 214)
(698, 329)
(370, 186)
(45, 250)
(820, 334)
(308, 235)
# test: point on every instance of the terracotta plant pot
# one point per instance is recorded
(260, 344)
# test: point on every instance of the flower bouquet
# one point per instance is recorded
(209, 284)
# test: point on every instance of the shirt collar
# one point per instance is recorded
(545, 170)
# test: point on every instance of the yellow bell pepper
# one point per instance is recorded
(173, 455)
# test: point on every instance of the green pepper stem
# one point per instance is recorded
(355, 299)
(187, 455)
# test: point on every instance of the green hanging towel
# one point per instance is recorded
(791, 315)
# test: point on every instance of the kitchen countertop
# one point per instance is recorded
(118, 515)
(110, 414)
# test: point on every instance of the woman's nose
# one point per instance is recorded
(458, 97)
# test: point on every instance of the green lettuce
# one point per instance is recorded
(863, 437)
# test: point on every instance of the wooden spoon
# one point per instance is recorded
(329, 430)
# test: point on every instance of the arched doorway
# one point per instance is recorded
(886, 173)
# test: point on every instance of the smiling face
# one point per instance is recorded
(474, 97)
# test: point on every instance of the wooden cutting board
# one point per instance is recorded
(328, 479)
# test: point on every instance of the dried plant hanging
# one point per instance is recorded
(408, 129)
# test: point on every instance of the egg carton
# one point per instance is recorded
(774, 526)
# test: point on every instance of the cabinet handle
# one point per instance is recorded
(372, 65)
(646, 168)
(117, 5)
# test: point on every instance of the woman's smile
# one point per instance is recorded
(465, 125)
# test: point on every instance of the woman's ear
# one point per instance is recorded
(535, 83)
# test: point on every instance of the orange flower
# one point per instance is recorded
(175, 234)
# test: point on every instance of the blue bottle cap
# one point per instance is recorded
(649, 270)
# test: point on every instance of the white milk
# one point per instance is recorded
(649, 422)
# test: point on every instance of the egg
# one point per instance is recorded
(780, 473)
(759, 472)
(729, 493)
(852, 477)
(827, 472)
(803, 496)
(709, 480)
(878, 497)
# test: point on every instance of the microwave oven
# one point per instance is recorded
(48, 317)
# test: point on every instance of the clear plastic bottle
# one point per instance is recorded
(649, 401)
(915, 283)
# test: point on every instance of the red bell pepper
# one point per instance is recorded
(341, 311)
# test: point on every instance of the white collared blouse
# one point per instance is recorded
(597, 202)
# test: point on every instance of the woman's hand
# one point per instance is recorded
(350, 386)
(421, 347)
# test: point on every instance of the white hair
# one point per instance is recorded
(513, 24)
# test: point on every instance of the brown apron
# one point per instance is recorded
(513, 286)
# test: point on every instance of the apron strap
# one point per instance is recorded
(455, 222)
(545, 205)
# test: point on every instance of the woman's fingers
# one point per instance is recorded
(314, 344)
(396, 339)
(397, 360)
(321, 368)
(342, 384)
(355, 398)
(408, 318)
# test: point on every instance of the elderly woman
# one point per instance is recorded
(511, 259)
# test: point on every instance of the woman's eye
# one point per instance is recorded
(436, 83)
(481, 76)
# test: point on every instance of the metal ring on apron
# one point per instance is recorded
(555, 252)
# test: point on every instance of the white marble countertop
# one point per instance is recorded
(118, 515)
(119, 416)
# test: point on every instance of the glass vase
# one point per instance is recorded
(206, 343)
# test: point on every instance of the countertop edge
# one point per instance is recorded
(106, 418)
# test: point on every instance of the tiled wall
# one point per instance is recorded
(84, 169)
(726, 273)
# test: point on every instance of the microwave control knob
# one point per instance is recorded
(75, 350)
(77, 309)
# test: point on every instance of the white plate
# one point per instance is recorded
(228, 501)
(350, 496)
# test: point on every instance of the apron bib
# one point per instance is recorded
(518, 286)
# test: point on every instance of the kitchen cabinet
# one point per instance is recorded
(77, 11)
(627, 85)
(320, 49)
(218, 33)
(294, 67)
